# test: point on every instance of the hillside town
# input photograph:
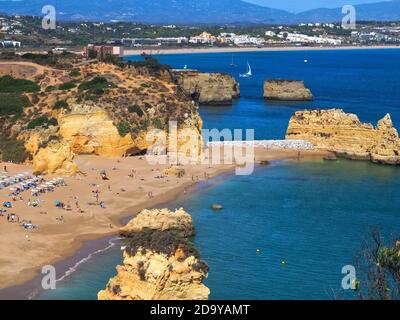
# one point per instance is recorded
(20, 31)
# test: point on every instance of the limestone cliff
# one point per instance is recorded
(101, 109)
(286, 90)
(343, 133)
(160, 263)
(90, 130)
(208, 88)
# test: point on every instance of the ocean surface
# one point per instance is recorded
(365, 82)
(287, 230)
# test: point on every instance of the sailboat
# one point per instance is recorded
(248, 74)
(232, 63)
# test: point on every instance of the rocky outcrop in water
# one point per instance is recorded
(208, 88)
(345, 135)
(160, 263)
(286, 90)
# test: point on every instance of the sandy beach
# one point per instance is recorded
(133, 185)
(157, 51)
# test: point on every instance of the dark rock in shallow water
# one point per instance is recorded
(264, 163)
(217, 207)
(330, 157)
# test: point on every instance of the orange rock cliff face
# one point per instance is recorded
(344, 134)
(101, 109)
(159, 262)
(286, 90)
(208, 88)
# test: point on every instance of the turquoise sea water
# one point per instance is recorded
(314, 216)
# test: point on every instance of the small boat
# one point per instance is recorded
(305, 60)
(232, 63)
(248, 74)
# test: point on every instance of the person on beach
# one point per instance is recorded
(103, 175)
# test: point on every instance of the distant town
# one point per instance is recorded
(26, 33)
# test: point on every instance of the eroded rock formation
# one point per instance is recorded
(286, 90)
(101, 109)
(344, 134)
(90, 130)
(160, 263)
(208, 88)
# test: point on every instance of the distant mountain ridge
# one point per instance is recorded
(193, 12)
(380, 11)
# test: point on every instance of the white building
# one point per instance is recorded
(302, 38)
(10, 43)
(242, 40)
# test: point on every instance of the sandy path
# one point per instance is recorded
(22, 69)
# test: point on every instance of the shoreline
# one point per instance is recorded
(83, 245)
(163, 51)
(31, 288)
(27, 273)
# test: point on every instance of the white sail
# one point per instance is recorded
(249, 73)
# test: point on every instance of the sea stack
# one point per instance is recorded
(208, 88)
(286, 90)
(160, 263)
(345, 135)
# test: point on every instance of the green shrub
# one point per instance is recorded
(74, 73)
(12, 104)
(158, 124)
(145, 85)
(144, 124)
(96, 83)
(13, 150)
(92, 98)
(67, 85)
(50, 88)
(42, 121)
(61, 105)
(123, 128)
(151, 63)
(10, 85)
(43, 59)
(136, 109)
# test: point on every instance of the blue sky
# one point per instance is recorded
(301, 5)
